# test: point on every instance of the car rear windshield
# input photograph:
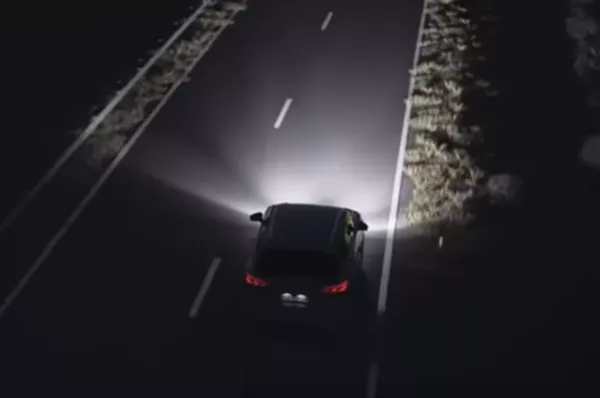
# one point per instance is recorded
(280, 263)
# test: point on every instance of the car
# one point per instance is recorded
(307, 265)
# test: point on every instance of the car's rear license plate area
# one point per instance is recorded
(290, 300)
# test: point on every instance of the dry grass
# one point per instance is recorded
(442, 160)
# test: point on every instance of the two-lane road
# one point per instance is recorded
(110, 308)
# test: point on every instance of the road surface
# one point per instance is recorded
(110, 308)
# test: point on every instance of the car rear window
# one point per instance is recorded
(282, 263)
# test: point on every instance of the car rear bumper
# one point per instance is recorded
(330, 312)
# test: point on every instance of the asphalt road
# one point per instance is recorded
(109, 310)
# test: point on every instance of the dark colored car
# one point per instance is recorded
(307, 265)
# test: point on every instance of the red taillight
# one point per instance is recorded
(254, 281)
(337, 288)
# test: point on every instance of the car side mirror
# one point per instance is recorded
(256, 217)
(362, 226)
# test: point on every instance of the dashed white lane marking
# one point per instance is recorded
(204, 287)
(284, 111)
(327, 21)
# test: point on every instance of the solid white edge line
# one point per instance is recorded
(96, 120)
(327, 21)
(395, 202)
(283, 112)
(394, 209)
(96, 188)
(204, 287)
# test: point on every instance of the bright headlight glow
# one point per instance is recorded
(248, 172)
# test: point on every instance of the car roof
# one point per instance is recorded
(304, 227)
(309, 209)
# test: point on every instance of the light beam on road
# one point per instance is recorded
(312, 162)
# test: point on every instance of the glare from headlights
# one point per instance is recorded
(312, 163)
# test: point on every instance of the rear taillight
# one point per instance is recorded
(254, 281)
(337, 288)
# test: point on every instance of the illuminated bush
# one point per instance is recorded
(583, 26)
(441, 161)
(444, 179)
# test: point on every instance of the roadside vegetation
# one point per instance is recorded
(453, 100)
(120, 124)
(583, 27)
(496, 123)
